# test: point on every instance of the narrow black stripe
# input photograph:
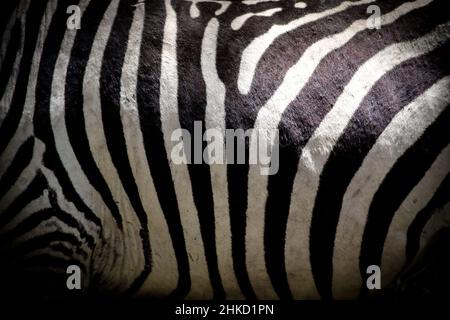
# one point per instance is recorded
(74, 116)
(40, 216)
(10, 56)
(44, 241)
(110, 90)
(21, 160)
(148, 104)
(439, 200)
(191, 107)
(32, 192)
(391, 93)
(41, 121)
(402, 178)
(276, 216)
(237, 198)
(12, 119)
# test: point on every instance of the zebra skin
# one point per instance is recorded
(87, 114)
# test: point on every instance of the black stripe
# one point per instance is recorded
(75, 121)
(306, 112)
(391, 93)
(9, 9)
(148, 104)
(191, 107)
(237, 198)
(21, 160)
(41, 121)
(12, 119)
(110, 90)
(44, 241)
(32, 192)
(10, 56)
(40, 216)
(402, 178)
(439, 200)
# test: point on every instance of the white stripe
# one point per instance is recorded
(265, 127)
(6, 36)
(90, 196)
(25, 178)
(97, 140)
(255, 50)
(439, 220)
(253, 2)
(316, 152)
(201, 286)
(32, 207)
(195, 12)
(25, 126)
(403, 131)
(215, 119)
(238, 22)
(394, 254)
(164, 276)
(300, 5)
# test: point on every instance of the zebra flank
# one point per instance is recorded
(355, 117)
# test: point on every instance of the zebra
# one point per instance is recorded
(87, 114)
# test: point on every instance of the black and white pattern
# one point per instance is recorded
(86, 117)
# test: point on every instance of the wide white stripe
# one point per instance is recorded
(201, 286)
(238, 22)
(164, 276)
(256, 49)
(215, 119)
(403, 131)
(316, 152)
(394, 254)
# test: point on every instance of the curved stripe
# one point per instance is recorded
(319, 147)
(36, 205)
(439, 220)
(439, 200)
(418, 115)
(255, 50)
(238, 22)
(29, 62)
(25, 179)
(394, 255)
(201, 286)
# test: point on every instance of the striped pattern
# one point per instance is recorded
(86, 118)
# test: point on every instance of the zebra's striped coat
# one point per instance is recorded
(86, 118)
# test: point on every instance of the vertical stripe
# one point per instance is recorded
(164, 276)
(215, 119)
(201, 286)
